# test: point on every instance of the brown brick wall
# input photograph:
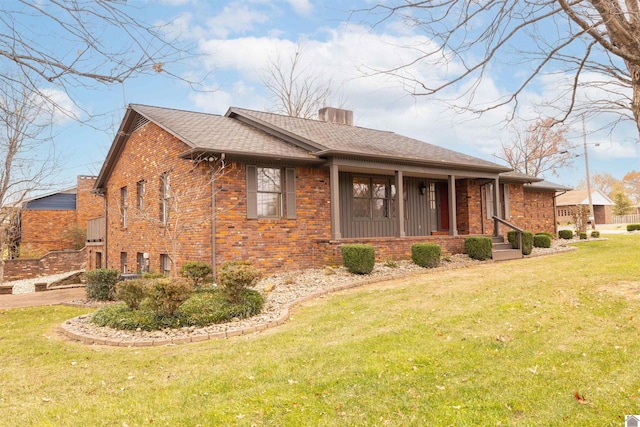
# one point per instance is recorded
(52, 263)
(44, 231)
(539, 214)
(272, 244)
(330, 252)
(87, 205)
(150, 152)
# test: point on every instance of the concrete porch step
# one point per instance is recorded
(506, 254)
(501, 246)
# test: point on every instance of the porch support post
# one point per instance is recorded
(334, 186)
(400, 203)
(496, 206)
(453, 225)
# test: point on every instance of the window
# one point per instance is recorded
(165, 264)
(165, 197)
(266, 189)
(123, 262)
(123, 207)
(98, 259)
(140, 195)
(489, 199)
(432, 196)
(373, 198)
(269, 187)
(140, 263)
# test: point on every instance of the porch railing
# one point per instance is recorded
(497, 220)
(96, 230)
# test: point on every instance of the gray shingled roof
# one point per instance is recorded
(219, 133)
(346, 139)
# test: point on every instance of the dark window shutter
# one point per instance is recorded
(291, 193)
(252, 193)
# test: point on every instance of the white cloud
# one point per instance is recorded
(302, 7)
(235, 19)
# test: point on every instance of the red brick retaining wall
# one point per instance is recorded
(52, 263)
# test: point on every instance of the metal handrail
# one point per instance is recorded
(497, 220)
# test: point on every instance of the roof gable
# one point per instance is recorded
(581, 197)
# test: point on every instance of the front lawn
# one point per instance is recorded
(548, 341)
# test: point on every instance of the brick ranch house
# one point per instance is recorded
(602, 206)
(285, 193)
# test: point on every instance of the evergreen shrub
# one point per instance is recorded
(195, 272)
(633, 227)
(358, 259)
(565, 234)
(426, 255)
(478, 247)
(541, 241)
(235, 276)
(583, 235)
(101, 284)
(595, 234)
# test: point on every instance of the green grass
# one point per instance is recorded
(498, 344)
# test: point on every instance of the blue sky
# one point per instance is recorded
(234, 41)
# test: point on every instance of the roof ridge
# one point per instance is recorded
(133, 106)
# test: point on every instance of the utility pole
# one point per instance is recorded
(586, 166)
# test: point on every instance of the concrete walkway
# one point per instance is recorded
(35, 299)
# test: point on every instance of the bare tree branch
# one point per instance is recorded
(579, 38)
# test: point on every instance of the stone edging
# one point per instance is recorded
(66, 330)
(280, 320)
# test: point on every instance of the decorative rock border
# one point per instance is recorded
(189, 335)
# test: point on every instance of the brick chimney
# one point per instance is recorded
(336, 115)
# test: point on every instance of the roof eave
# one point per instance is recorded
(230, 154)
(114, 152)
(410, 160)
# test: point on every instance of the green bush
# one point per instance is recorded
(633, 227)
(478, 247)
(544, 233)
(512, 237)
(527, 242)
(101, 284)
(235, 276)
(195, 272)
(153, 275)
(583, 235)
(595, 234)
(426, 254)
(132, 292)
(119, 316)
(164, 296)
(212, 306)
(565, 234)
(358, 259)
(541, 241)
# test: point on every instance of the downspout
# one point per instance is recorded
(555, 210)
(213, 224)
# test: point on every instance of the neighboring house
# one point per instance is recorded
(602, 206)
(50, 221)
(287, 193)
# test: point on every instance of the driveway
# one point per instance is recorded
(34, 299)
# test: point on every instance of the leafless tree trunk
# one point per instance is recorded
(296, 89)
(69, 44)
(27, 159)
(540, 149)
(577, 38)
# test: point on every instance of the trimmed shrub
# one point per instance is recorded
(119, 316)
(195, 272)
(583, 235)
(153, 275)
(101, 284)
(426, 255)
(235, 276)
(541, 241)
(478, 247)
(164, 296)
(595, 234)
(527, 242)
(512, 237)
(633, 227)
(565, 234)
(358, 259)
(212, 306)
(132, 292)
(544, 233)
